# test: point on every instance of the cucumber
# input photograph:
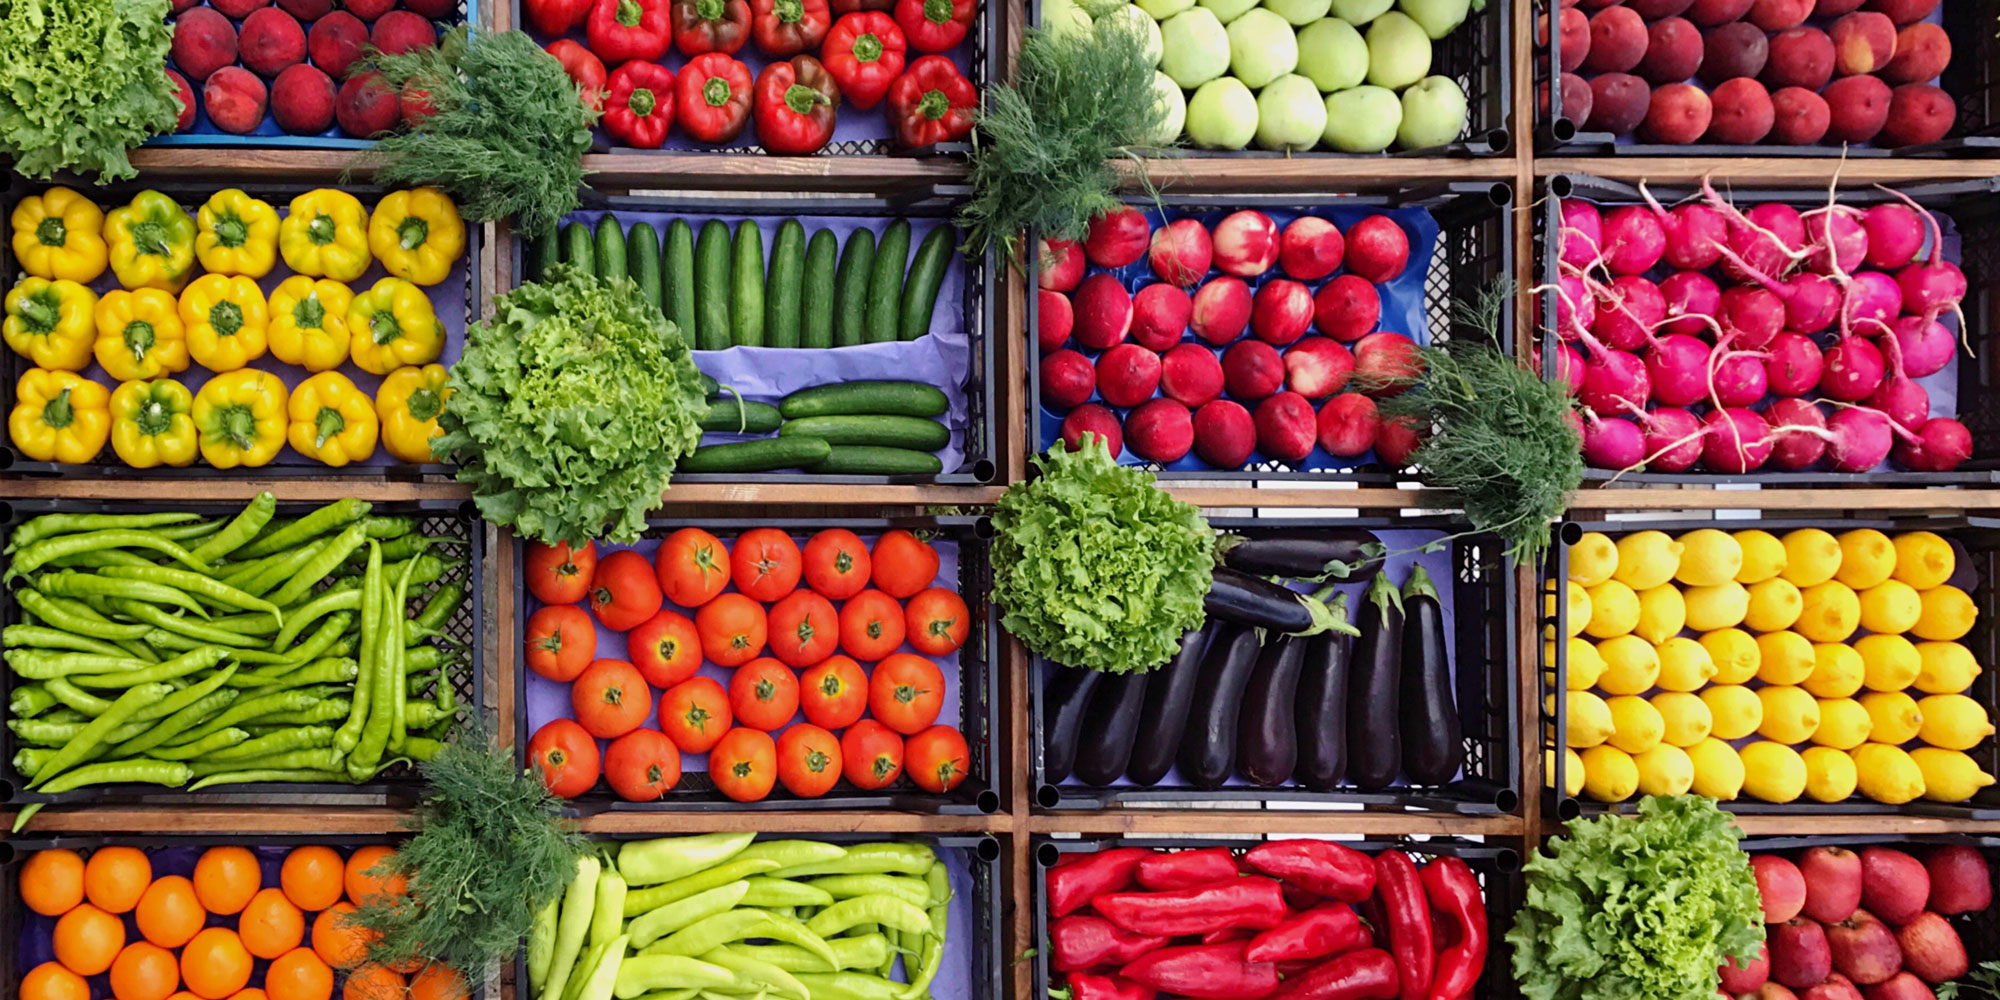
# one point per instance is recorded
(677, 297)
(752, 418)
(711, 286)
(909, 399)
(816, 297)
(757, 456)
(746, 287)
(610, 262)
(920, 289)
(850, 293)
(885, 286)
(544, 252)
(576, 247)
(868, 460)
(781, 291)
(915, 433)
(642, 262)
(709, 386)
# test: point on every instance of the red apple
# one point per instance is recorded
(1347, 308)
(1348, 424)
(1067, 380)
(1190, 373)
(1161, 430)
(1748, 978)
(1799, 955)
(1246, 243)
(1311, 248)
(1863, 948)
(1281, 311)
(1901, 986)
(1782, 887)
(1224, 434)
(1053, 319)
(1117, 238)
(1833, 884)
(1160, 314)
(1060, 263)
(1091, 418)
(1103, 312)
(1286, 427)
(1894, 887)
(1377, 249)
(1960, 880)
(1932, 948)
(1181, 252)
(1128, 375)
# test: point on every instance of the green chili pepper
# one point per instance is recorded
(190, 695)
(910, 890)
(47, 525)
(849, 986)
(422, 748)
(327, 640)
(70, 583)
(249, 708)
(375, 732)
(334, 515)
(760, 975)
(322, 563)
(542, 943)
(644, 973)
(203, 706)
(194, 630)
(425, 714)
(100, 559)
(865, 951)
(655, 924)
(36, 665)
(605, 922)
(28, 761)
(650, 862)
(427, 658)
(31, 558)
(48, 732)
(196, 585)
(52, 638)
(326, 603)
(687, 994)
(390, 685)
(145, 772)
(93, 733)
(429, 568)
(75, 616)
(349, 735)
(573, 926)
(310, 759)
(639, 901)
(713, 932)
(325, 710)
(238, 573)
(74, 697)
(282, 741)
(878, 909)
(286, 570)
(261, 776)
(188, 532)
(240, 529)
(795, 853)
(180, 666)
(603, 973)
(249, 623)
(866, 859)
(29, 700)
(216, 742)
(333, 670)
(784, 892)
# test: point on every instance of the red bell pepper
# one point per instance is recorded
(1409, 916)
(1453, 890)
(586, 69)
(794, 106)
(864, 52)
(1316, 933)
(1081, 878)
(1186, 869)
(710, 26)
(931, 103)
(713, 97)
(1251, 902)
(788, 27)
(1204, 970)
(555, 17)
(935, 25)
(1332, 870)
(641, 106)
(1357, 975)
(1090, 986)
(620, 30)
(1084, 941)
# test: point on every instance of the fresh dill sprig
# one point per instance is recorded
(1984, 979)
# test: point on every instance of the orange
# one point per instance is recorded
(87, 939)
(50, 981)
(144, 971)
(311, 877)
(438, 981)
(250, 993)
(215, 965)
(169, 914)
(372, 982)
(52, 882)
(271, 925)
(225, 878)
(298, 974)
(115, 877)
(360, 884)
(337, 939)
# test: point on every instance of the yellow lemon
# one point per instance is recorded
(1720, 606)
(1763, 556)
(1896, 716)
(1784, 658)
(1631, 665)
(1772, 772)
(1709, 557)
(1949, 776)
(1837, 671)
(1790, 714)
(1661, 613)
(1947, 668)
(1578, 612)
(1867, 557)
(1686, 717)
(1647, 559)
(1890, 607)
(1811, 556)
(1831, 612)
(1585, 666)
(1684, 665)
(1664, 770)
(1889, 662)
(1843, 724)
(1593, 559)
(1734, 653)
(1947, 614)
(1923, 559)
(1718, 772)
(1830, 774)
(1589, 719)
(1953, 722)
(1774, 605)
(1636, 726)
(1609, 774)
(1572, 771)
(1614, 609)
(1886, 774)
(1736, 711)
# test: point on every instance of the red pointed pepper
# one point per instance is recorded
(864, 52)
(620, 30)
(1187, 869)
(1453, 890)
(1204, 970)
(1329, 869)
(794, 106)
(713, 97)
(1409, 916)
(710, 26)
(935, 25)
(1080, 878)
(1090, 986)
(788, 27)
(1316, 933)
(586, 69)
(640, 108)
(1357, 975)
(1084, 941)
(555, 17)
(1251, 902)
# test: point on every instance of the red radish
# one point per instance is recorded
(1837, 241)
(1692, 300)
(1694, 232)
(1677, 366)
(1629, 309)
(1634, 240)
(1858, 439)
(1396, 441)
(1317, 367)
(1386, 363)
(1117, 238)
(1582, 233)
(1246, 243)
(1349, 425)
(1224, 434)
(1794, 365)
(1899, 397)
(1568, 368)
(1854, 370)
(1128, 375)
(1576, 307)
(1252, 369)
(1346, 308)
(1060, 263)
(1812, 302)
(1221, 310)
(1942, 444)
(1751, 316)
(1613, 443)
(1181, 252)
(1067, 380)
(1091, 418)
(1895, 235)
(1103, 312)
(1873, 299)
(1053, 319)
(1615, 383)
(1281, 311)
(1377, 249)
(1926, 344)
(1191, 374)
(1161, 430)
(1737, 441)
(1937, 285)
(1160, 314)
(1286, 427)
(1311, 248)
(1739, 378)
(1673, 440)
(1767, 240)
(1797, 433)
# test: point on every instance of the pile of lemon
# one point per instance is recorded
(1744, 663)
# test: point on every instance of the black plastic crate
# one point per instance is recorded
(464, 629)
(1980, 931)
(288, 463)
(976, 309)
(1475, 247)
(1477, 592)
(978, 680)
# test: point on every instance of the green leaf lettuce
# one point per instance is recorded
(81, 82)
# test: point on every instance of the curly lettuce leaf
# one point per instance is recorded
(81, 82)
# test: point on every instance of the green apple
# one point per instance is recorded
(1222, 115)
(1064, 17)
(1433, 113)
(1359, 12)
(1262, 48)
(1299, 13)
(1399, 52)
(1362, 120)
(1438, 17)
(1167, 95)
(1126, 17)
(1228, 10)
(1163, 9)
(1332, 54)
(1290, 114)
(1194, 48)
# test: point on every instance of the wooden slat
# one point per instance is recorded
(204, 488)
(1841, 498)
(1809, 824)
(1255, 821)
(1775, 170)
(1310, 174)
(723, 172)
(795, 822)
(199, 819)
(311, 166)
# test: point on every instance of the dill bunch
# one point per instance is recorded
(509, 134)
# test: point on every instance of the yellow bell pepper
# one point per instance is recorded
(392, 325)
(152, 424)
(59, 234)
(151, 242)
(325, 235)
(409, 403)
(50, 322)
(140, 335)
(417, 235)
(240, 418)
(226, 320)
(309, 322)
(236, 234)
(59, 417)
(332, 420)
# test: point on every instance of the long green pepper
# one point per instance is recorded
(31, 558)
(49, 525)
(334, 515)
(323, 562)
(197, 586)
(70, 583)
(349, 735)
(92, 735)
(240, 529)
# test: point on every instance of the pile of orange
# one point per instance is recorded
(206, 937)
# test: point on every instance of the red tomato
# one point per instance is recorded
(836, 564)
(871, 755)
(624, 592)
(871, 626)
(693, 567)
(566, 756)
(642, 765)
(562, 640)
(665, 648)
(808, 760)
(765, 564)
(904, 563)
(937, 622)
(558, 574)
(744, 766)
(731, 629)
(834, 693)
(804, 629)
(694, 714)
(939, 760)
(763, 694)
(906, 692)
(610, 699)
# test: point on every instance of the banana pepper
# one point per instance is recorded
(50, 322)
(309, 322)
(409, 403)
(236, 234)
(417, 235)
(392, 325)
(227, 322)
(59, 234)
(332, 420)
(59, 416)
(140, 335)
(151, 241)
(325, 235)
(240, 418)
(152, 424)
